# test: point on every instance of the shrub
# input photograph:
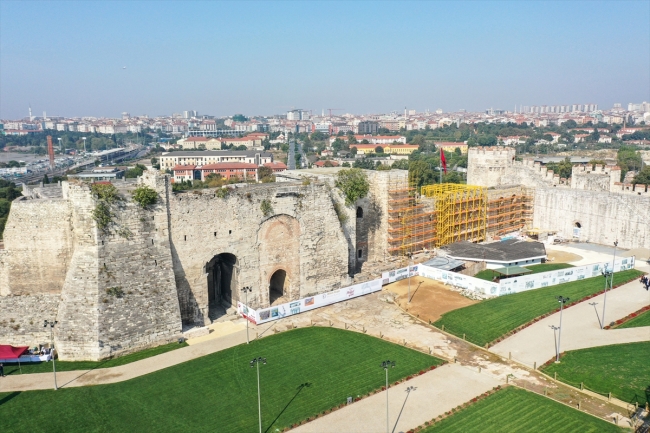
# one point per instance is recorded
(145, 196)
(115, 291)
(222, 192)
(340, 212)
(266, 207)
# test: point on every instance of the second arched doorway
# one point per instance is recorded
(278, 287)
(222, 281)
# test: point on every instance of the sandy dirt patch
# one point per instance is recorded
(429, 299)
(555, 256)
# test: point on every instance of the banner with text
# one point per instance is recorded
(301, 305)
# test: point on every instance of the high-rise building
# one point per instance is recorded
(368, 127)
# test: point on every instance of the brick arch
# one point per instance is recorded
(279, 248)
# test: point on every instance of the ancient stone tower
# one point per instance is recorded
(487, 165)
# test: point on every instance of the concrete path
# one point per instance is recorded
(434, 393)
(581, 328)
(25, 382)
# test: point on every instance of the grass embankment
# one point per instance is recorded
(642, 319)
(46, 367)
(514, 410)
(489, 274)
(488, 320)
(308, 371)
(622, 369)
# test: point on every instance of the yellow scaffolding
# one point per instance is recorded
(509, 209)
(411, 227)
(461, 210)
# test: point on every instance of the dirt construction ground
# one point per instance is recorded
(429, 299)
(555, 256)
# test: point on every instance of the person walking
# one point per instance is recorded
(2, 370)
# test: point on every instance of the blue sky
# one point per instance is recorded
(251, 57)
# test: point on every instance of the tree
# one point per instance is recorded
(155, 163)
(379, 149)
(562, 168)
(401, 164)
(145, 196)
(570, 124)
(642, 177)
(318, 136)
(265, 174)
(364, 141)
(595, 136)
(135, 171)
(239, 118)
(345, 164)
(352, 139)
(338, 144)
(353, 183)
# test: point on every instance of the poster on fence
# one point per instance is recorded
(301, 305)
(398, 274)
(551, 278)
(459, 280)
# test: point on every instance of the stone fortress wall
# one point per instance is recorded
(160, 267)
(601, 208)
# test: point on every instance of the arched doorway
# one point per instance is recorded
(277, 285)
(222, 281)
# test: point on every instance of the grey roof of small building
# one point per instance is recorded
(250, 153)
(556, 159)
(504, 251)
(444, 263)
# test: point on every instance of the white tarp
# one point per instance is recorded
(466, 282)
(301, 305)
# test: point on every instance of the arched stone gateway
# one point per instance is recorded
(277, 285)
(280, 260)
(222, 281)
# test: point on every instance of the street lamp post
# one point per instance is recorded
(256, 362)
(84, 139)
(246, 290)
(611, 284)
(555, 328)
(51, 324)
(386, 365)
(562, 300)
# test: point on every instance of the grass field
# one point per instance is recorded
(46, 367)
(308, 370)
(488, 274)
(514, 410)
(486, 321)
(622, 369)
(642, 319)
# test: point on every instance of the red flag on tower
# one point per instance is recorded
(442, 160)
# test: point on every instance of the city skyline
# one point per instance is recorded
(101, 59)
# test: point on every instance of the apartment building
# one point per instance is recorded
(169, 160)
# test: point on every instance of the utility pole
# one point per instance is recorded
(386, 365)
(246, 290)
(611, 284)
(256, 362)
(51, 324)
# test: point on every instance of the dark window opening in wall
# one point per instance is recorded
(152, 217)
(359, 212)
(229, 232)
(152, 242)
(156, 262)
(185, 237)
(102, 242)
(215, 233)
(578, 225)
(360, 254)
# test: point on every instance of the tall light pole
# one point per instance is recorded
(555, 328)
(386, 365)
(409, 275)
(256, 362)
(51, 324)
(246, 290)
(611, 284)
(84, 139)
(562, 300)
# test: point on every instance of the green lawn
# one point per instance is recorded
(46, 367)
(486, 321)
(514, 410)
(622, 369)
(488, 274)
(308, 370)
(642, 319)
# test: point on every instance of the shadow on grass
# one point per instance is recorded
(300, 388)
(9, 397)
(408, 392)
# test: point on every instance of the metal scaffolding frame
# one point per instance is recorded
(462, 212)
(509, 210)
(411, 226)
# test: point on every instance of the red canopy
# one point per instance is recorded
(11, 352)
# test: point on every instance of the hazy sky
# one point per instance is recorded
(250, 57)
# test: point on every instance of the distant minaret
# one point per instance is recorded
(44, 116)
(31, 118)
(405, 112)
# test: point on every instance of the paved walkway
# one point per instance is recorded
(25, 382)
(434, 393)
(581, 328)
